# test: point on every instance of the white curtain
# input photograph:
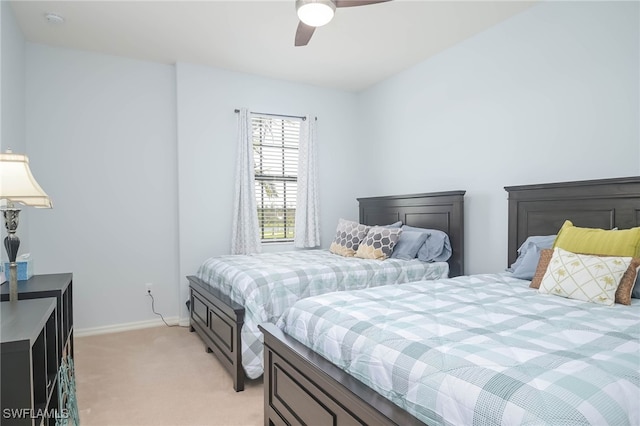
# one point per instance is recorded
(307, 232)
(245, 233)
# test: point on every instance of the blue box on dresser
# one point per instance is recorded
(24, 269)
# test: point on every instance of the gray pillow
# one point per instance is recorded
(526, 269)
(436, 248)
(529, 255)
(408, 245)
(349, 234)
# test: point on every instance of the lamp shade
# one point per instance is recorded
(17, 184)
(315, 13)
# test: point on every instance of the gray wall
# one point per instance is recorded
(551, 94)
(12, 82)
(12, 105)
(207, 145)
(112, 134)
(103, 131)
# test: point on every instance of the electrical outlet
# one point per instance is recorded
(149, 287)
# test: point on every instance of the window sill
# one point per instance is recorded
(277, 246)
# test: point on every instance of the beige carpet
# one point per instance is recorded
(158, 376)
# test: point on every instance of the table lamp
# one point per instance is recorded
(17, 186)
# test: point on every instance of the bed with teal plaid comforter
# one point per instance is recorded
(266, 284)
(481, 350)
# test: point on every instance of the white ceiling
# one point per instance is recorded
(361, 46)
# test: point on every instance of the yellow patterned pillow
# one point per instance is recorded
(624, 242)
(584, 277)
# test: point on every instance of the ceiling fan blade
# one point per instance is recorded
(351, 3)
(303, 34)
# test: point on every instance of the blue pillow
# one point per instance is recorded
(408, 244)
(526, 269)
(397, 224)
(436, 248)
(529, 255)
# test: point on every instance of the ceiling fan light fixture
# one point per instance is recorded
(315, 13)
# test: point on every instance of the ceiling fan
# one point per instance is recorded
(316, 13)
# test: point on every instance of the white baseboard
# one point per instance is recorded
(116, 328)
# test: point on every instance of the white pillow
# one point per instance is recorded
(584, 277)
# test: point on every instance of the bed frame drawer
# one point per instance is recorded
(218, 326)
(222, 328)
(312, 406)
(199, 310)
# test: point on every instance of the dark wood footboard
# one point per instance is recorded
(218, 321)
(301, 387)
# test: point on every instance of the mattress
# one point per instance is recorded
(481, 350)
(267, 284)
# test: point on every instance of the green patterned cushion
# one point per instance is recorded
(584, 277)
(379, 243)
(348, 237)
(624, 242)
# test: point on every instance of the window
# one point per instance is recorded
(275, 153)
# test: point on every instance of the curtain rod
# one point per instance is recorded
(275, 115)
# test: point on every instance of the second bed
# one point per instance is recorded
(231, 295)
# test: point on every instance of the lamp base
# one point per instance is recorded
(12, 244)
(13, 281)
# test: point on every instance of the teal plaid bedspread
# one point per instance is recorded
(267, 284)
(481, 350)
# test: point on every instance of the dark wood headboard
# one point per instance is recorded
(542, 209)
(443, 211)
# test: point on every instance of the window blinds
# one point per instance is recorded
(275, 152)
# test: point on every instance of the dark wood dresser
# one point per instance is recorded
(56, 288)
